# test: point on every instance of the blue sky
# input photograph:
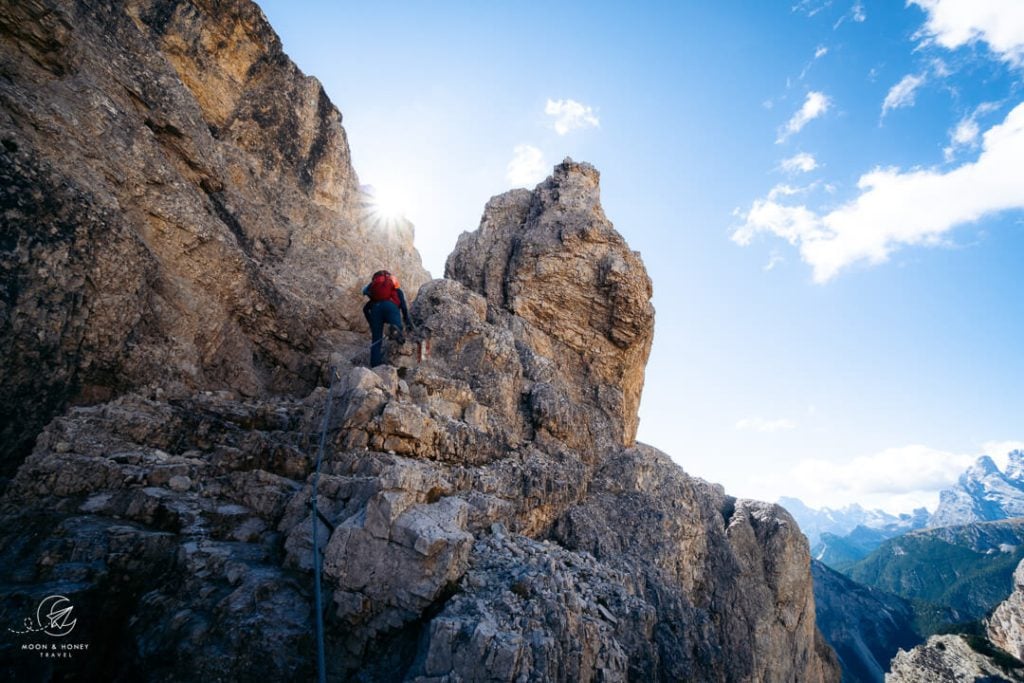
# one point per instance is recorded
(827, 195)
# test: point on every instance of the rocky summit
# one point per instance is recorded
(182, 255)
(983, 493)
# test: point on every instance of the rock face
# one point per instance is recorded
(952, 659)
(555, 272)
(865, 626)
(178, 208)
(1005, 627)
(476, 529)
(983, 493)
(484, 510)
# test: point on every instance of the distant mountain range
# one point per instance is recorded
(983, 493)
(950, 574)
(841, 552)
(842, 521)
(924, 582)
(841, 537)
(908, 576)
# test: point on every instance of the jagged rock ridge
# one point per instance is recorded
(488, 514)
(554, 270)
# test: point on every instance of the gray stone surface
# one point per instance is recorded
(1005, 627)
(550, 265)
(948, 659)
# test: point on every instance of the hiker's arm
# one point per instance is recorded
(405, 309)
(366, 289)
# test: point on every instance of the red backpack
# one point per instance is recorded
(383, 287)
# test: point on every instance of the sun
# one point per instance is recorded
(385, 204)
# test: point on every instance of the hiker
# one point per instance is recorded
(386, 302)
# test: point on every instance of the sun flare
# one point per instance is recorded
(385, 204)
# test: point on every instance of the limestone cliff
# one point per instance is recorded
(178, 209)
(954, 659)
(551, 267)
(487, 511)
(1005, 626)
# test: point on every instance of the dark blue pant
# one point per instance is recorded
(382, 312)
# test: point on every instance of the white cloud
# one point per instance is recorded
(773, 260)
(802, 162)
(814, 106)
(897, 208)
(964, 135)
(527, 166)
(967, 131)
(811, 7)
(856, 13)
(895, 479)
(571, 115)
(783, 190)
(820, 52)
(786, 190)
(1000, 23)
(940, 68)
(998, 450)
(760, 424)
(903, 93)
